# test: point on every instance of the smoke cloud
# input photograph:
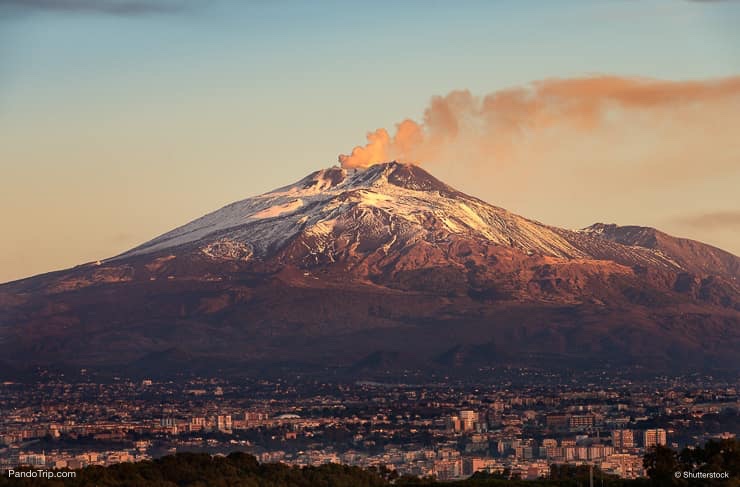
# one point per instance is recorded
(510, 125)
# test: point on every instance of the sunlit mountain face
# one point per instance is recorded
(381, 270)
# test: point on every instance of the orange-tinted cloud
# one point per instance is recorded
(493, 127)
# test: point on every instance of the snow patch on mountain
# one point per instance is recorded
(385, 205)
(277, 210)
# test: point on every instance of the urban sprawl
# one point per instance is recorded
(443, 428)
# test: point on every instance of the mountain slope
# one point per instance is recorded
(689, 255)
(391, 199)
(346, 269)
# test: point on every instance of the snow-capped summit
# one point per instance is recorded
(392, 203)
(343, 265)
(406, 176)
(334, 213)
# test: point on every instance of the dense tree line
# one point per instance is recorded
(662, 464)
(243, 470)
(204, 470)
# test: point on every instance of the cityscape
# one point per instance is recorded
(445, 430)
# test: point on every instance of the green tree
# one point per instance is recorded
(661, 464)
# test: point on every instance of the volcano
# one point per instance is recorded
(381, 270)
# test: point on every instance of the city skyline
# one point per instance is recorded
(520, 424)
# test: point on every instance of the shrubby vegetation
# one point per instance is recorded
(203, 470)
(243, 470)
(662, 463)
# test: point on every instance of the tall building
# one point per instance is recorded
(525, 452)
(476, 464)
(623, 438)
(32, 459)
(468, 419)
(549, 448)
(197, 423)
(581, 422)
(223, 423)
(654, 437)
